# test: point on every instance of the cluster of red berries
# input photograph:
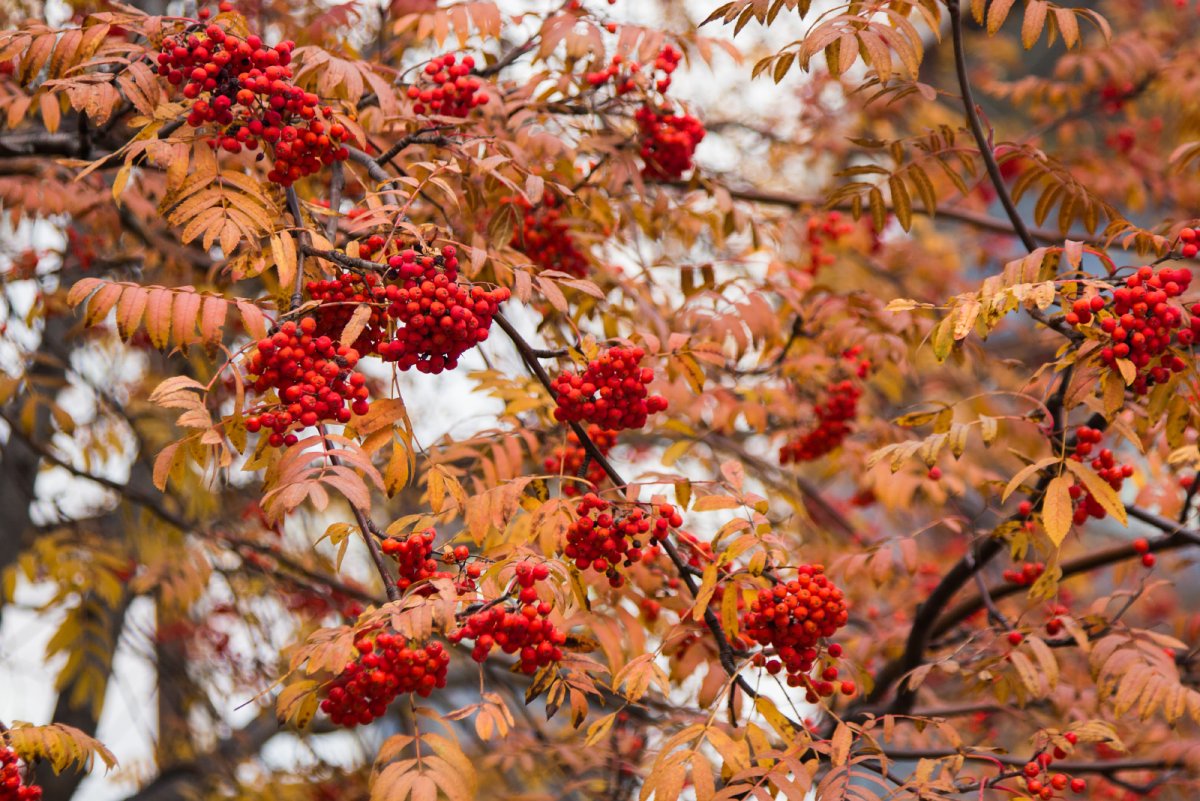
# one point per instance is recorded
(1106, 467)
(794, 617)
(601, 540)
(625, 82)
(1113, 95)
(314, 376)
(668, 142)
(437, 319)
(442, 319)
(611, 392)
(1142, 325)
(11, 788)
(1027, 575)
(569, 459)
(522, 629)
(1189, 243)
(340, 298)
(545, 238)
(834, 416)
(385, 668)
(414, 558)
(1044, 785)
(448, 88)
(623, 72)
(244, 87)
(824, 230)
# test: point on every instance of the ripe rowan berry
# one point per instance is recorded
(611, 392)
(545, 238)
(387, 666)
(414, 558)
(668, 142)
(314, 378)
(1141, 326)
(834, 415)
(521, 628)
(244, 91)
(824, 230)
(600, 539)
(446, 87)
(11, 788)
(795, 617)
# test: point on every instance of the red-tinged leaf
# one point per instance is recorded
(212, 319)
(996, 14)
(252, 319)
(82, 289)
(184, 314)
(158, 317)
(129, 310)
(163, 464)
(102, 302)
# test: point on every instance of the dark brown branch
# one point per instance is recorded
(724, 649)
(981, 139)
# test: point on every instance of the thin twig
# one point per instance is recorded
(981, 139)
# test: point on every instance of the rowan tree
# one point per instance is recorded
(599, 400)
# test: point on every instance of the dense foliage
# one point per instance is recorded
(604, 400)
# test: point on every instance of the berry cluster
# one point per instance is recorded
(522, 629)
(824, 230)
(1106, 467)
(1113, 96)
(1141, 325)
(569, 460)
(625, 83)
(448, 88)
(414, 558)
(601, 540)
(244, 88)
(545, 238)
(436, 318)
(666, 63)
(834, 416)
(314, 376)
(442, 319)
(794, 617)
(11, 788)
(1044, 785)
(668, 139)
(386, 667)
(668, 142)
(623, 72)
(1190, 243)
(611, 392)
(340, 298)
(1027, 575)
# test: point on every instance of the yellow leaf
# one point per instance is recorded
(1057, 509)
(1100, 489)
